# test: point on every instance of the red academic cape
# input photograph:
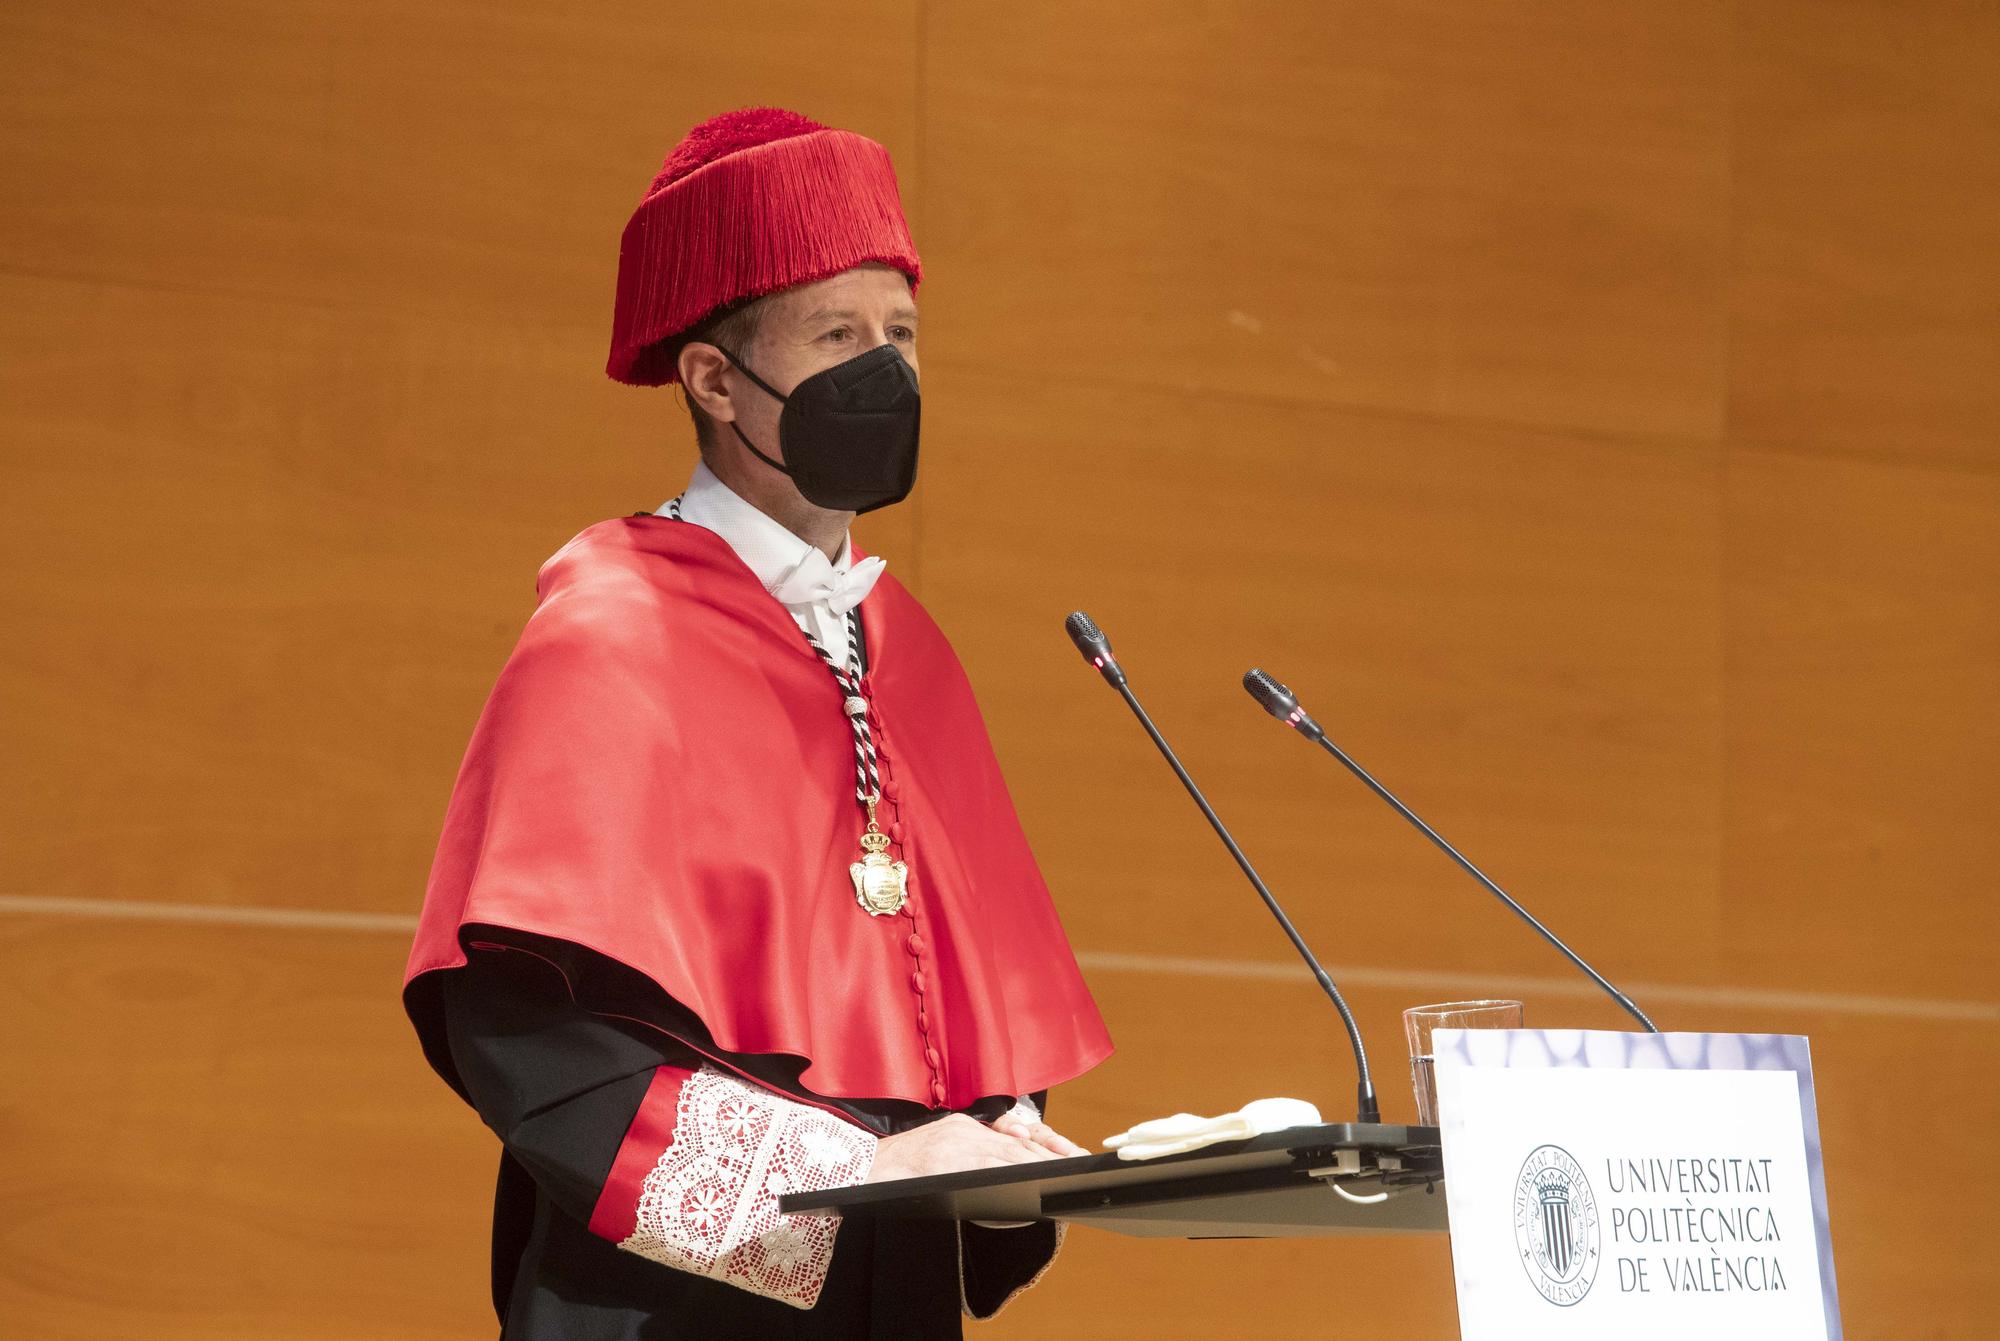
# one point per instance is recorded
(663, 777)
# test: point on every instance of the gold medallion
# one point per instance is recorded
(878, 882)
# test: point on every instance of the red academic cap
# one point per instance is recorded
(749, 202)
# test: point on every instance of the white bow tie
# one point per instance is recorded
(814, 581)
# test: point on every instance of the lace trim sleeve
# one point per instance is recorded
(709, 1204)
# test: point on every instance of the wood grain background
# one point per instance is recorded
(1590, 406)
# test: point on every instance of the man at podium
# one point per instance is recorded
(730, 899)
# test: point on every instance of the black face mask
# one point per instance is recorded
(849, 432)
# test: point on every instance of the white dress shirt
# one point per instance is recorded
(798, 576)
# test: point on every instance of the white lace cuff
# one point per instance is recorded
(709, 1203)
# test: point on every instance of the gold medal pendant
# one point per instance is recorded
(878, 882)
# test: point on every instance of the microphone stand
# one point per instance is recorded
(1096, 649)
(1281, 703)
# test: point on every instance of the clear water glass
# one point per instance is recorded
(1419, 1022)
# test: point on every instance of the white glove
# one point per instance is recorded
(1185, 1131)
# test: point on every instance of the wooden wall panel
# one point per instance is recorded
(1494, 621)
(1867, 208)
(251, 532)
(250, 535)
(456, 158)
(1487, 211)
(222, 1132)
(1864, 665)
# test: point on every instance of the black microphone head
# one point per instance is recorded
(1281, 703)
(1277, 700)
(1089, 639)
(1096, 648)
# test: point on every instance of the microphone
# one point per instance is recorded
(1282, 704)
(1096, 649)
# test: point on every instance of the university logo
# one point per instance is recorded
(1555, 1225)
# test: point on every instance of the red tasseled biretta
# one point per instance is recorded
(749, 202)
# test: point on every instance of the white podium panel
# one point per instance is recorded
(1634, 1185)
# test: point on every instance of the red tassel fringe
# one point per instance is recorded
(728, 221)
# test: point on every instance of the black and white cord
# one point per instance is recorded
(867, 780)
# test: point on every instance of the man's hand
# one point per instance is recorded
(956, 1143)
(1038, 1133)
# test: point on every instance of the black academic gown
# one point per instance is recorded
(560, 1086)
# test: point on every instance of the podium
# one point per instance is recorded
(1336, 1179)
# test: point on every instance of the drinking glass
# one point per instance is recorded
(1419, 1022)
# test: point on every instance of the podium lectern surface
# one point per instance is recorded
(1278, 1185)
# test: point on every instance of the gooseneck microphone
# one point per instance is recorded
(1282, 704)
(1096, 649)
